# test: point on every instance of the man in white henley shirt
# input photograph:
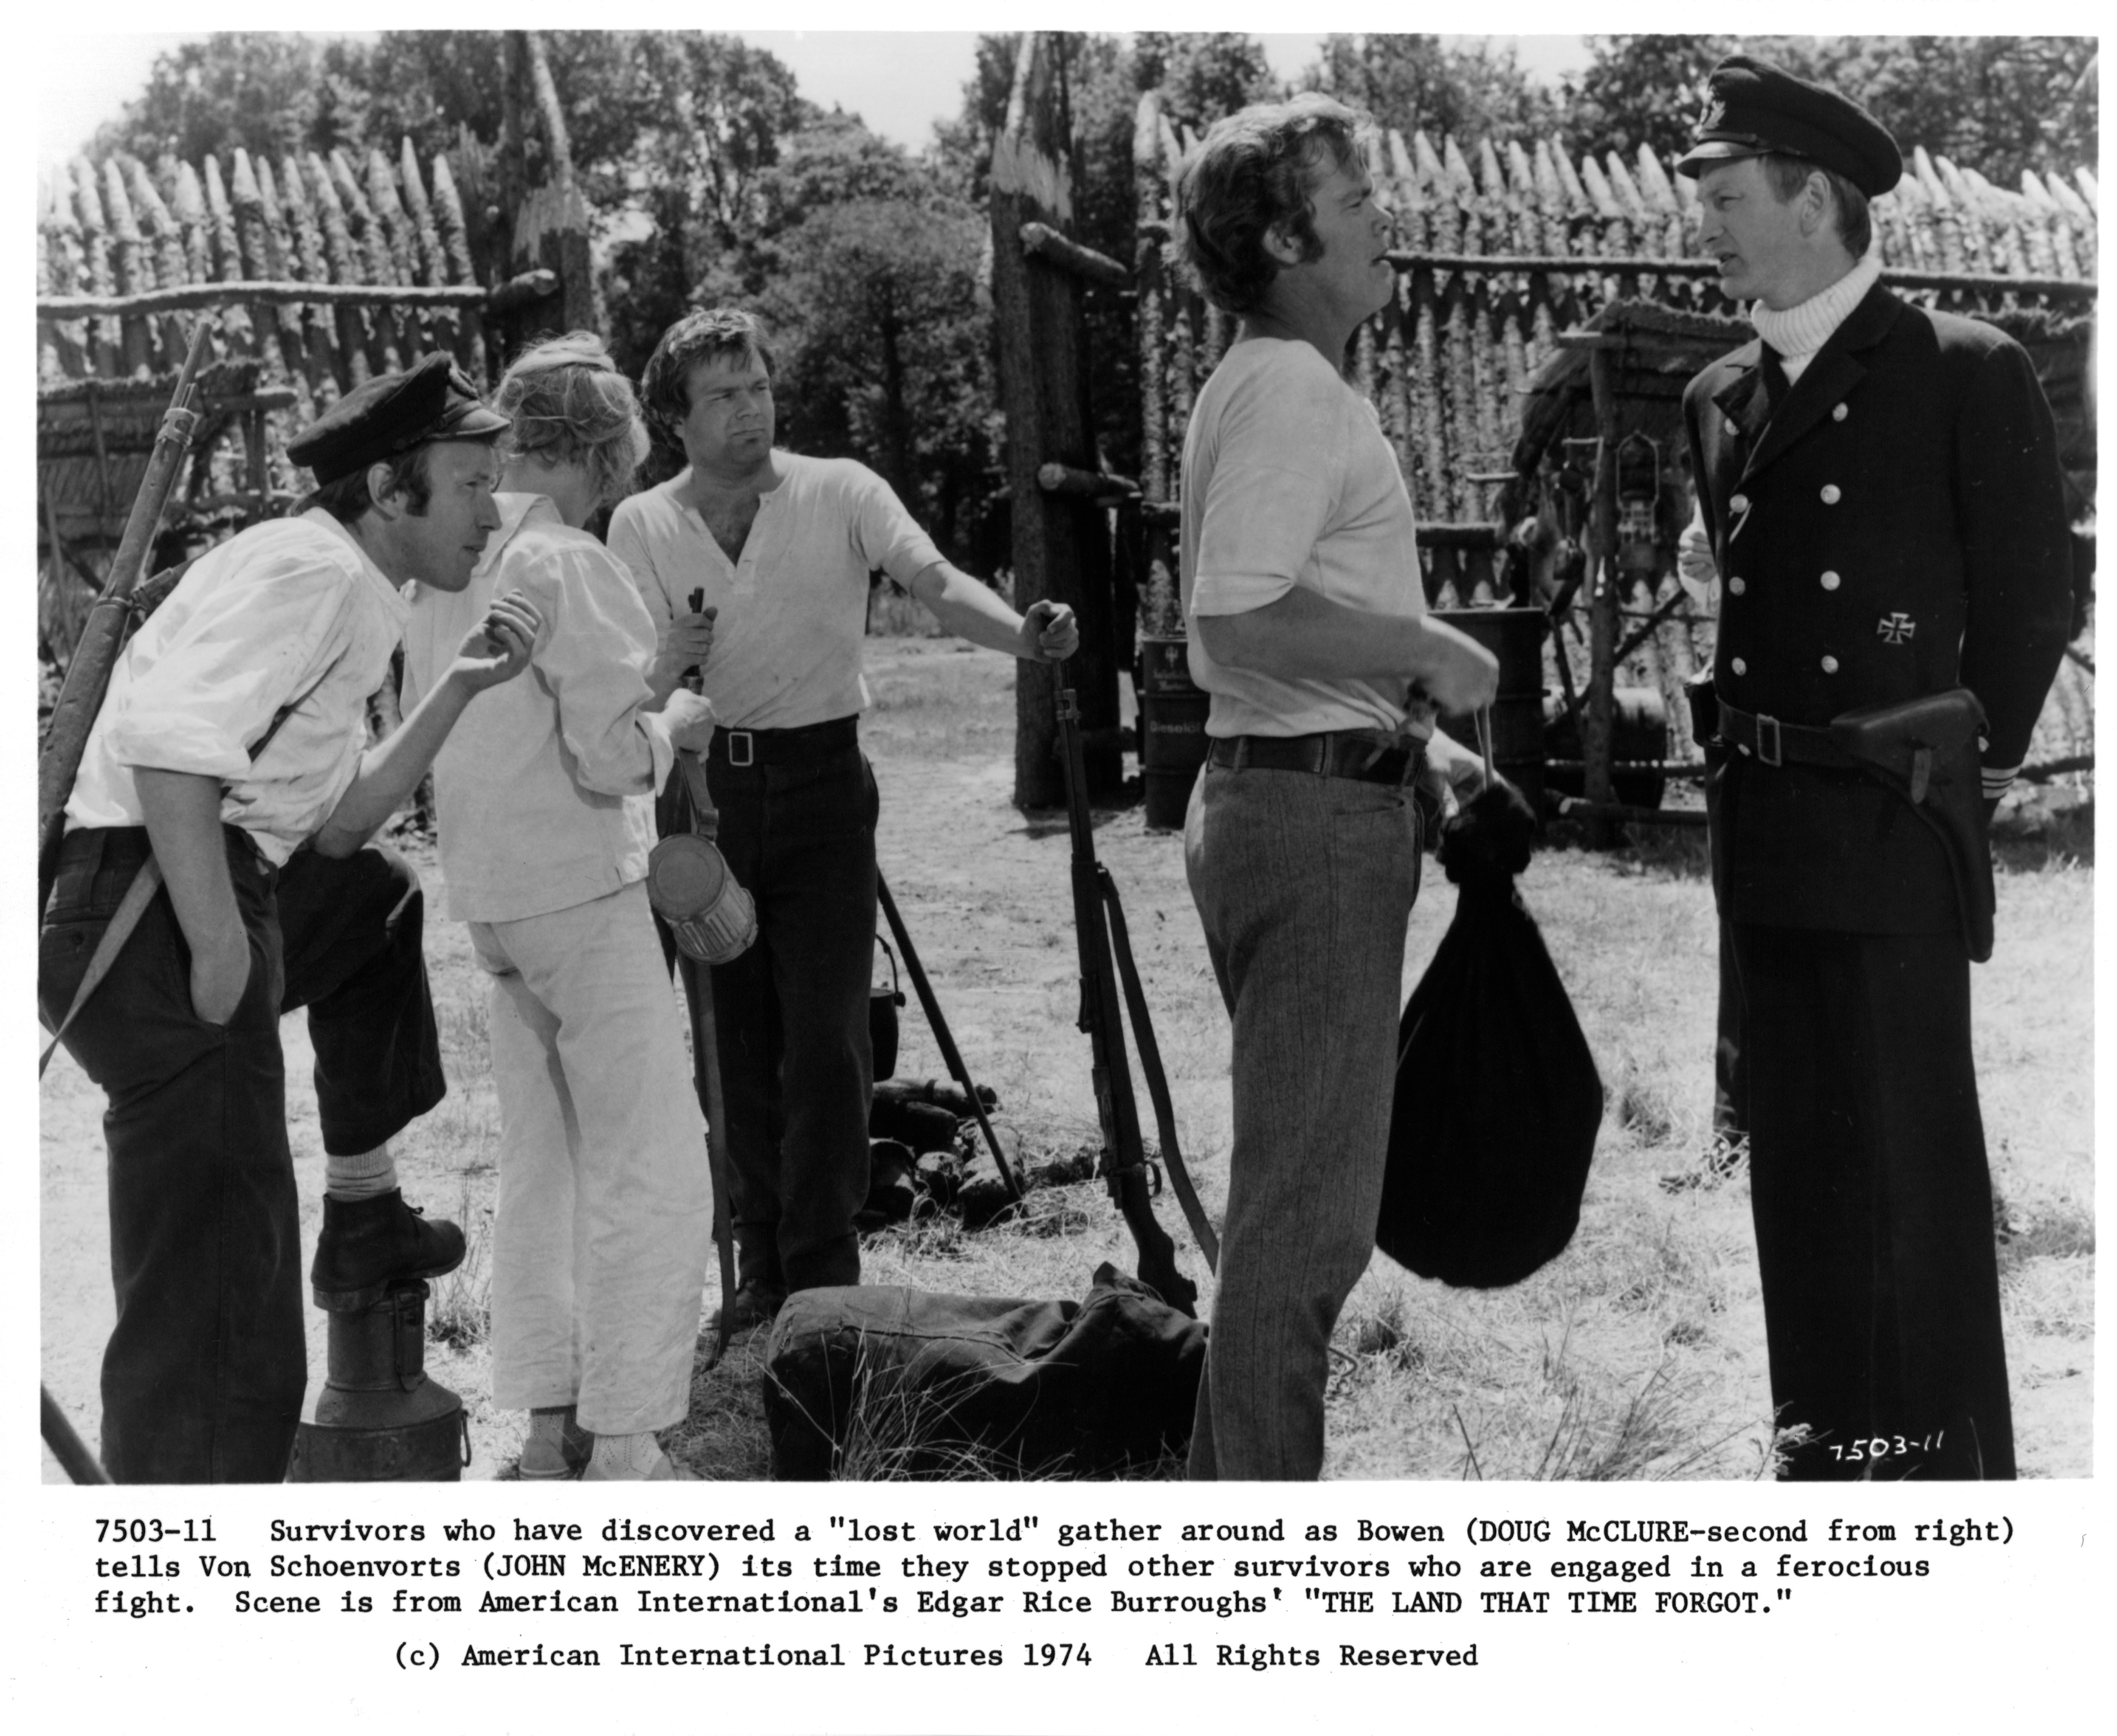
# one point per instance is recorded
(781, 548)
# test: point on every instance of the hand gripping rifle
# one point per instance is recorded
(1099, 921)
(88, 670)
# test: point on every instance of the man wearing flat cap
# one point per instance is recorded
(1880, 488)
(228, 779)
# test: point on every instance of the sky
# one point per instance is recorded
(900, 83)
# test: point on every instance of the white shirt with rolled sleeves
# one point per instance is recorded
(290, 613)
(544, 789)
(793, 609)
(1288, 480)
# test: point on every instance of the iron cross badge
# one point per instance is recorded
(1897, 629)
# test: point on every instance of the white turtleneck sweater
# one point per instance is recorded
(1795, 333)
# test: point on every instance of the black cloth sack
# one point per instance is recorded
(1498, 1098)
(883, 1381)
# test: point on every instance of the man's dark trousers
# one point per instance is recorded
(204, 1374)
(797, 828)
(1873, 1204)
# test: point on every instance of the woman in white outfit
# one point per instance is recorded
(544, 799)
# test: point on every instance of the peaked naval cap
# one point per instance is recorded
(1752, 108)
(431, 399)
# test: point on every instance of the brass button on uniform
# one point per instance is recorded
(1737, 586)
(1831, 581)
(1734, 432)
(1830, 666)
(1830, 494)
(1738, 503)
(1739, 666)
(1840, 413)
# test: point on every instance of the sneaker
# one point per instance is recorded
(633, 1458)
(664, 1469)
(369, 1244)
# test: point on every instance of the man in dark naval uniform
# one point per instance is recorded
(1882, 490)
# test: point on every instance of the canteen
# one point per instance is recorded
(712, 917)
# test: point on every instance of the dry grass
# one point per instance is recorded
(459, 1311)
(1638, 1354)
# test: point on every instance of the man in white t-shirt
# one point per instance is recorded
(779, 548)
(1309, 627)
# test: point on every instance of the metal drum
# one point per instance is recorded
(688, 882)
(379, 1419)
(1515, 637)
(1172, 710)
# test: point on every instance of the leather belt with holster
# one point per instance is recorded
(1368, 754)
(1926, 750)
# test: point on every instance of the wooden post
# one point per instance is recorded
(327, 371)
(103, 335)
(1597, 737)
(564, 245)
(1061, 542)
(236, 324)
(360, 354)
(134, 268)
(455, 243)
(1154, 453)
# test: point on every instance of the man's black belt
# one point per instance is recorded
(1770, 742)
(1366, 754)
(742, 748)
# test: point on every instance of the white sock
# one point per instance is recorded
(363, 1175)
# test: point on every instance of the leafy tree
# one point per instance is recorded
(1405, 82)
(883, 323)
(1999, 104)
(1639, 91)
(1201, 75)
(262, 89)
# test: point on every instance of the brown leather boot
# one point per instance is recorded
(368, 1244)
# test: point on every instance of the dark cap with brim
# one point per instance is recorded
(432, 400)
(1752, 109)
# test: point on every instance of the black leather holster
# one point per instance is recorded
(1926, 750)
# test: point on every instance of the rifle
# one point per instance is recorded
(89, 669)
(1098, 921)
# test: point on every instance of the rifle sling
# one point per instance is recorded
(133, 906)
(1157, 1082)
